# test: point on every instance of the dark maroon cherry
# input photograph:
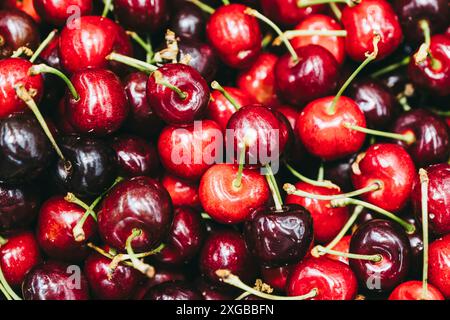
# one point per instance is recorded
(58, 12)
(340, 173)
(17, 29)
(138, 203)
(416, 243)
(142, 15)
(162, 275)
(25, 151)
(200, 56)
(136, 157)
(92, 167)
(276, 277)
(173, 291)
(277, 237)
(211, 291)
(388, 240)
(432, 137)
(55, 281)
(188, 21)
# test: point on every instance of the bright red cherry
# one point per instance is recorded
(182, 192)
(142, 15)
(17, 256)
(323, 132)
(14, 71)
(88, 40)
(287, 12)
(412, 290)
(390, 165)
(235, 35)
(258, 81)
(363, 20)
(332, 279)
(290, 113)
(57, 12)
(439, 265)
(227, 203)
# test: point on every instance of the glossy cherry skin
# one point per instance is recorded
(85, 43)
(328, 221)
(365, 19)
(410, 12)
(434, 78)
(93, 166)
(200, 56)
(339, 172)
(333, 279)
(321, 22)
(432, 137)
(168, 105)
(413, 290)
(276, 277)
(55, 281)
(121, 284)
(14, 71)
(256, 127)
(234, 35)
(315, 75)
(279, 237)
(57, 12)
(390, 165)
(376, 101)
(54, 233)
(135, 156)
(439, 265)
(19, 206)
(223, 201)
(220, 109)
(17, 29)
(188, 152)
(438, 198)
(287, 12)
(142, 119)
(102, 106)
(23, 5)
(226, 250)
(141, 15)
(173, 291)
(185, 237)
(188, 21)
(324, 135)
(182, 192)
(342, 246)
(258, 81)
(388, 240)
(162, 275)
(25, 151)
(214, 291)
(141, 203)
(17, 256)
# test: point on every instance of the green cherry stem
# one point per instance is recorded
(336, 11)
(371, 257)
(424, 181)
(150, 54)
(266, 40)
(216, 86)
(307, 3)
(237, 182)
(43, 68)
(229, 278)
(22, 50)
(5, 293)
(159, 79)
(107, 7)
(391, 67)
(203, 6)
(132, 62)
(142, 43)
(7, 287)
(144, 268)
(225, 2)
(278, 201)
(408, 137)
(317, 183)
(43, 45)
(321, 172)
(3, 241)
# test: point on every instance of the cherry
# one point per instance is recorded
(363, 20)
(220, 109)
(188, 21)
(60, 118)
(332, 280)
(19, 206)
(50, 54)
(226, 250)
(328, 221)
(276, 277)
(173, 291)
(58, 12)
(412, 290)
(86, 42)
(212, 291)
(387, 240)
(258, 80)
(342, 246)
(14, 71)
(339, 172)
(439, 262)
(25, 149)
(200, 56)
(320, 22)
(119, 284)
(17, 29)
(177, 93)
(286, 132)
(389, 165)
(18, 255)
(188, 152)
(279, 237)
(140, 203)
(185, 237)
(433, 73)
(438, 197)
(162, 275)
(235, 35)
(182, 192)
(314, 75)
(92, 166)
(136, 157)
(23, 5)
(287, 12)
(227, 203)
(432, 138)
(54, 281)
(147, 15)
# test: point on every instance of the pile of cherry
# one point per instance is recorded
(99, 101)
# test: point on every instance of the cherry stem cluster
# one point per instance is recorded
(43, 45)
(144, 268)
(407, 137)
(132, 62)
(317, 183)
